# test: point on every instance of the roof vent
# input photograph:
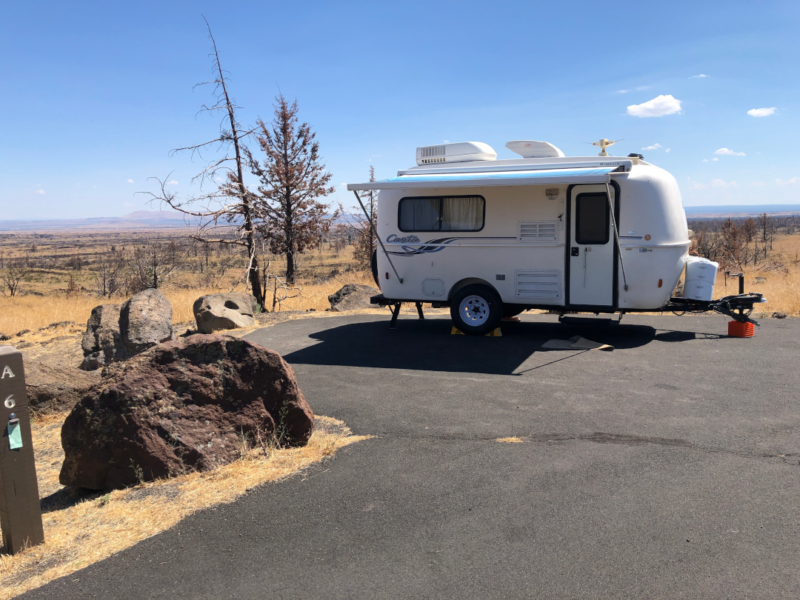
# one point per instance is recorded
(456, 152)
(534, 149)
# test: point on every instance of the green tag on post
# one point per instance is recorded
(14, 436)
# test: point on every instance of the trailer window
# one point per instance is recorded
(592, 223)
(442, 213)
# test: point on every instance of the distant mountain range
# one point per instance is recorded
(140, 219)
(156, 219)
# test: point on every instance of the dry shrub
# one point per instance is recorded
(83, 529)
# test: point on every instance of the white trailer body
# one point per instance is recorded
(599, 234)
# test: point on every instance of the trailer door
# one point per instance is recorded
(590, 254)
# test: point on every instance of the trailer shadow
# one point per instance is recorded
(429, 346)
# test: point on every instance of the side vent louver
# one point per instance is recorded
(455, 152)
(538, 231)
(538, 283)
(432, 154)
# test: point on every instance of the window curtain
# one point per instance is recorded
(462, 214)
(419, 214)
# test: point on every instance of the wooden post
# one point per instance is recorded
(20, 510)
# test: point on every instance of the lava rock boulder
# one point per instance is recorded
(145, 320)
(352, 296)
(116, 332)
(102, 341)
(216, 312)
(182, 406)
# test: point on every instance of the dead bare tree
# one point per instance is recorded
(291, 178)
(150, 266)
(13, 275)
(107, 274)
(229, 206)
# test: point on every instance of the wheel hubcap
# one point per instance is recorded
(474, 310)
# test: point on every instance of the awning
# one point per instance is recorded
(462, 180)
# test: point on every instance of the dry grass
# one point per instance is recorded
(81, 530)
(781, 289)
(509, 440)
(35, 312)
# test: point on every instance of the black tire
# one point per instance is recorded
(512, 310)
(487, 309)
(373, 263)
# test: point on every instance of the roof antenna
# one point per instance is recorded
(603, 143)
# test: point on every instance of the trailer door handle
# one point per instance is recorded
(576, 251)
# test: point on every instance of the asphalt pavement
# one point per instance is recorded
(668, 468)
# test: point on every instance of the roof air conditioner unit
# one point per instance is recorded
(454, 153)
(534, 149)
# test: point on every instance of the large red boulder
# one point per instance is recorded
(181, 406)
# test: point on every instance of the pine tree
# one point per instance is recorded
(291, 179)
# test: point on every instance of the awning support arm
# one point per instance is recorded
(616, 235)
(377, 237)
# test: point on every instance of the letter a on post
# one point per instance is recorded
(7, 372)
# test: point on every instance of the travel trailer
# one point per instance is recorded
(491, 238)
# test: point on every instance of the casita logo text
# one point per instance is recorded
(409, 239)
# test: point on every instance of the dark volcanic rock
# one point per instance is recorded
(352, 296)
(145, 320)
(181, 406)
(53, 387)
(116, 332)
(102, 341)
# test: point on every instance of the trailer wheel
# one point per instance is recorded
(476, 309)
(373, 263)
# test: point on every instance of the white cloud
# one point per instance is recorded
(696, 185)
(445, 141)
(172, 182)
(705, 160)
(40, 191)
(761, 112)
(622, 92)
(668, 149)
(720, 183)
(700, 76)
(655, 146)
(715, 159)
(657, 107)
(727, 152)
(792, 181)
(130, 180)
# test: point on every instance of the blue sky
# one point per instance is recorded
(95, 94)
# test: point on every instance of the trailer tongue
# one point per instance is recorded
(738, 307)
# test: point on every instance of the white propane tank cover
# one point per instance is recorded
(534, 149)
(455, 152)
(701, 274)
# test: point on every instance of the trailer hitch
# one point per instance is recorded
(739, 307)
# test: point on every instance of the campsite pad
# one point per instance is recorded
(576, 343)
